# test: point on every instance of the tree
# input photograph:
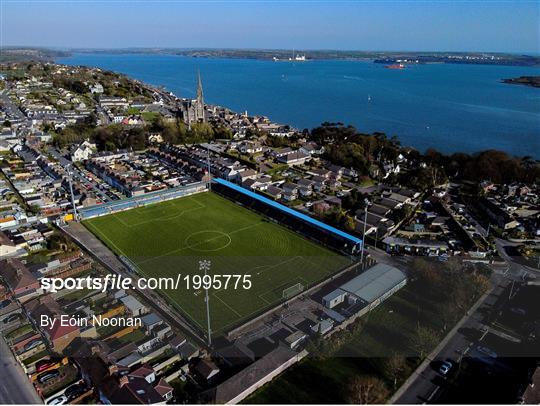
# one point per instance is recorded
(394, 367)
(367, 389)
(424, 340)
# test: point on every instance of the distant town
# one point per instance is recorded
(387, 57)
(440, 252)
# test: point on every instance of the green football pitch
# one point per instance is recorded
(171, 238)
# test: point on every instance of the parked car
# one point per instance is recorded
(59, 400)
(74, 391)
(32, 344)
(445, 368)
(518, 310)
(12, 318)
(44, 364)
(4, 303)
(47, 376)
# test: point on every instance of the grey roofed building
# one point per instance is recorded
(135, 307)
(188, 351)
(391, 204)
(177, 341)
(241, 385)
(399, 198)
(378, 209)
(132, 359)
(275, 192)
(151, 320)
(334, 298)
(375, 282)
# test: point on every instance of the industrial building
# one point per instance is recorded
(366, 291)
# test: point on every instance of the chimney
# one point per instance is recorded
(124, 380)
(113, 369)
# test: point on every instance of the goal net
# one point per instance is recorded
(292, 290)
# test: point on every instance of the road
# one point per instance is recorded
(15, 388)
(424, 386)
(78, 175)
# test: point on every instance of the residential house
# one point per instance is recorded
(294, 158)
(245, 175)
(22, 283)
(275, 192)
(312, 148)
(206, 369)
(82, 151)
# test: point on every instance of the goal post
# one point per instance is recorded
(292, 290)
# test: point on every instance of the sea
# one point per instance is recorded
(449, 107)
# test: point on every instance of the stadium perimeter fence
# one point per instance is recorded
(142, 200)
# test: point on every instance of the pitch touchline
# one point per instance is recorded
(201, 206)
(225, 303)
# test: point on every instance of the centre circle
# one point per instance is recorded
(208, 240)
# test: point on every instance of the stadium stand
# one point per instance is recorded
(143, 200)
(297, 221)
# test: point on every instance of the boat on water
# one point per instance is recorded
(395, 66)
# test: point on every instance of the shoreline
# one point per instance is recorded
(407, 140)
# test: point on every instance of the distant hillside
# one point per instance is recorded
(378, 56)
(22, 54)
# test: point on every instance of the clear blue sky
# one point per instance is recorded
(487, 25)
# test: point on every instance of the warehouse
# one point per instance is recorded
(366, 290)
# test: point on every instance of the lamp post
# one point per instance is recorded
(69, 173)
(205, 265)
(366, 205)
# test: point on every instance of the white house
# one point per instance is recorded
(83, 151)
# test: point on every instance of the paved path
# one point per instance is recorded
(15, 387)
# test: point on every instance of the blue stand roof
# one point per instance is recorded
(288, 210)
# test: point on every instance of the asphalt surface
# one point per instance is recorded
(15, 387)
(426, 387)
(427, 384)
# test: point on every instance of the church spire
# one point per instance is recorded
(200, 98)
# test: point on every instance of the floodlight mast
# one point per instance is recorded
(208, 167)
(69, 173)
(366, 203)
(205, 265)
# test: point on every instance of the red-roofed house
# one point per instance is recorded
(164, 389)
(60, 336)
(20, 280)
(145, 372)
